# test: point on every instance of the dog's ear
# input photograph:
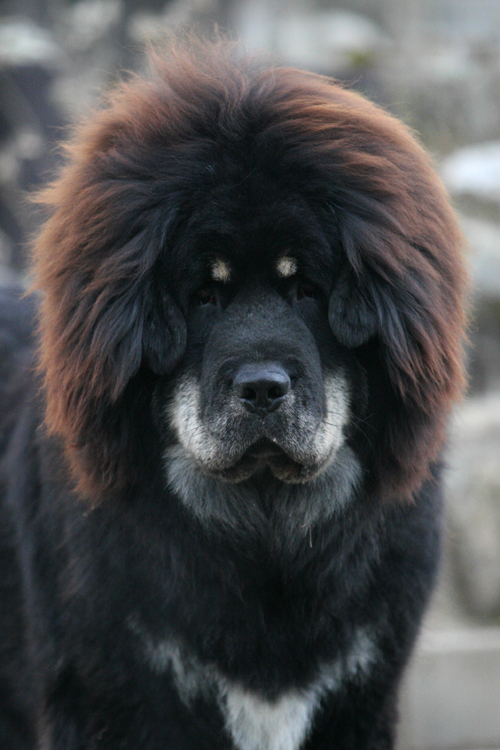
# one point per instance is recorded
(109, 326)
(363, 306)
(164, 333)
(390, 288)
(377, 283)
(351, 312)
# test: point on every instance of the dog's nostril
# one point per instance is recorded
(261, 387)
(277, 391)
(247, 393)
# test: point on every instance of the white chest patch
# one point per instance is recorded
(253, 722)
(257, 724)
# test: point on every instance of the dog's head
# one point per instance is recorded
(254, 267)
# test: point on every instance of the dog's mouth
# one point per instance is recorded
(264, 450)
(265, 454)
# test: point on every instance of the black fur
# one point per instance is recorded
(187, 564)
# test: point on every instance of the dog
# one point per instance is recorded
(223, 410)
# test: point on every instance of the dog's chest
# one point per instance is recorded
(252, 721)
(257, 724)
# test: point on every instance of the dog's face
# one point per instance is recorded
(263, 383)
(264, 391)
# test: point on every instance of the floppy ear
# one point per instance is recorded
(363, 306)
(351, 312)
(379, 271)
(164, 334)
(406, 295)
(116, 328)
(101, 347)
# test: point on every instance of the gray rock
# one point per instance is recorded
(474, 170)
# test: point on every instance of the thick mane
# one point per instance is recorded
(105, 324)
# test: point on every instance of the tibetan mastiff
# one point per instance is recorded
(221, 444)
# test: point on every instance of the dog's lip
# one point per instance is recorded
(265, 453)
(264, 449)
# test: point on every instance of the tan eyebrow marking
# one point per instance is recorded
(221, 271)
(286, 267)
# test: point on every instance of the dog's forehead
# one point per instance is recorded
(253, 229)
(281, 246)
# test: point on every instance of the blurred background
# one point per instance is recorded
(435, 64)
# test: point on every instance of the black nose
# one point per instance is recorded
(261, 387)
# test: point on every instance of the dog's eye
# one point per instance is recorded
(206, 296)
(306, 290)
